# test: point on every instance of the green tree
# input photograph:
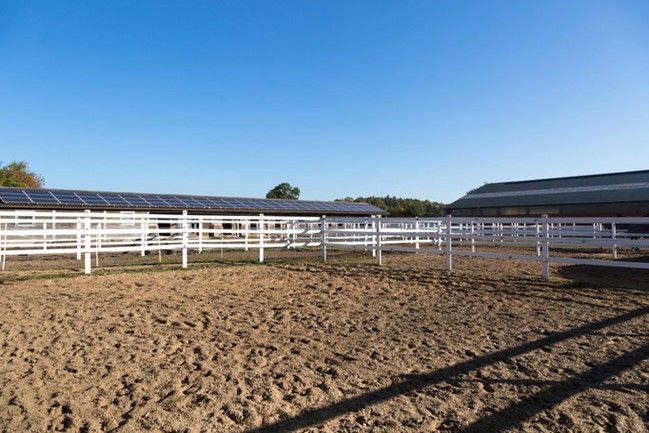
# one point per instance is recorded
(402, 207)
(285, 191)
(18, 174)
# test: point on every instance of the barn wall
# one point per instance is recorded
(637, 209)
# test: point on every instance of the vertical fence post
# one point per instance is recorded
(614, 236)
(472, 236)
(185, 235)
(295, 227)
(100, 230)
(538, 238)
(78, 238)
(417, 233)
(3, 246)
(449, 243)
(260, 227)
(200, 234)
(374, 236)
(142, 237)
(546, 247)
(365, 236)
(247, 227)
(323, 237)
(378, 244)
(87, 240)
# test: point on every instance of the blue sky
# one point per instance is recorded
(423, 99)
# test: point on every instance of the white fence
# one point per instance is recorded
(85, 234)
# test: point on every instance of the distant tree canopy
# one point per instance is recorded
(404, 207)
(18, 174)
(285, 191)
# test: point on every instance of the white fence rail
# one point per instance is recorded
(85, 234)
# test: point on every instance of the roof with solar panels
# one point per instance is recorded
(25, 198)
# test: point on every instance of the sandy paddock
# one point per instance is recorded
(342, 347)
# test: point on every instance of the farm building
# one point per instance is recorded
(55, 199)
(133, 205)
(601, 195)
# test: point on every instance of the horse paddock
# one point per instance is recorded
(342, 346)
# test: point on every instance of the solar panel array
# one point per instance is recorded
(89, 199)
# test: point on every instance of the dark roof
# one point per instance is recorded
(77, 199)
(632, 186)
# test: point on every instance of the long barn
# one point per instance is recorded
(601, 195)
(62, 199)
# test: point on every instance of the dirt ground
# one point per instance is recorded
(310, 347)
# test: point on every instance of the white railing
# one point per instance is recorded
(87, 233)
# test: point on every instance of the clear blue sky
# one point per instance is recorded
(423, 99)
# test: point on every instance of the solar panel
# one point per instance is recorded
(156, 201)
(84, 199)
(221, 203)
(194, 202)
(175, 201)
(91, 198)
(68, 198)
(114, 199)
(13, 196)
(136, 200)
(41, 197)
(203, 202)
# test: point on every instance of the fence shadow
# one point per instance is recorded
(501, 420)
(600, 276)
(517, 413)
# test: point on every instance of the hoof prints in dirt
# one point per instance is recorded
(326, 349)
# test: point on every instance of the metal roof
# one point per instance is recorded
(78, 199)
(632, 186)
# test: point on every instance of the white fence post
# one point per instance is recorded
(546, 247)
(378, 243)
(185, 235)
(98, 243)
(374, 235)
(87, 240)
(247, 226)
(614, 236)
(323, 236)
(472, 236)
(260, 227)
(142, 237)
(200, 234)
(3, 246)
(365, 239)
(78, 238)
(417, 235)
(449, 243)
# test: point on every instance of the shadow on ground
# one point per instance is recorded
(601, 276)
(507, 418)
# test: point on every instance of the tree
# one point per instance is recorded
(19, 175)
(285, 191)
(402, 207)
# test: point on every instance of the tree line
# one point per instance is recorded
(402, 207)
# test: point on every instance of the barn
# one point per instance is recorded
(600, 195)
(129, 202)
(131, 206)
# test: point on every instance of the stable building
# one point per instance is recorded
(623, 194)
(23, 201)
(62, 199)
